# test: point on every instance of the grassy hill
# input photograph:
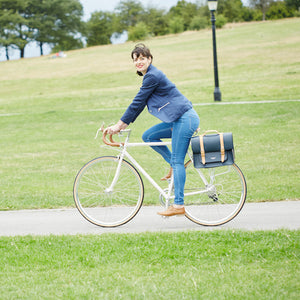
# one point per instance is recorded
(50, 109)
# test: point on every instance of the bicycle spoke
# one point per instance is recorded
(100, 202)
(223, 198)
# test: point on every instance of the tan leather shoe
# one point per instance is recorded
(168, 176)
(172, 211)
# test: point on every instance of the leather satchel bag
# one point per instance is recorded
(212, 149)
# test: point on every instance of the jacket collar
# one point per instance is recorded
(149, 68)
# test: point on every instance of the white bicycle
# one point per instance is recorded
(109, 191)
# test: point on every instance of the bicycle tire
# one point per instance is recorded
(222, 199)
(103, 207)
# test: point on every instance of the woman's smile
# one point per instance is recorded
(141, 63)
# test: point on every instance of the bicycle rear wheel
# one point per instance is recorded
(99, 202)
(223, 194)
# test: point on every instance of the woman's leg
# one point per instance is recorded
(183, 129)
(155, 134)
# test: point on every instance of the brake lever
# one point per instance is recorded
(100, 129)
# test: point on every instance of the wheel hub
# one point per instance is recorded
(212, 192)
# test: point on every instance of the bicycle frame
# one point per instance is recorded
(124, 153)
(107, 200)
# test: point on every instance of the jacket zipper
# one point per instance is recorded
(163, 106)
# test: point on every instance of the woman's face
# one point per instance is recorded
(141, 63)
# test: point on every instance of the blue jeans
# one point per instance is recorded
(181, 132)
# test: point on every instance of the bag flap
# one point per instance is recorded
(212, 143)
(211, 157)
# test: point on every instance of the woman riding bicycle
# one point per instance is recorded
(179, 120)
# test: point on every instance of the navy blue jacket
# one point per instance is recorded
(161, 96)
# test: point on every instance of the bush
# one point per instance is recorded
(198, 23)
(247, 14)
(257, 15)
(176, 25)
(277, 10)
(138, 32)
(220, 21)
(296, 14)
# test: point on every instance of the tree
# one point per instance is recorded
(6, 39)
(176, 24)
(15, 19)
(293, 4)
(221, 21)
(44, 21)
(68, 43)
(198, 22)
(99, 28)
(138, 32)
(156, 20)
(277, 10)
(128, 14)
(231, 9)
(68, 26)
(262, 5)
(185, 10)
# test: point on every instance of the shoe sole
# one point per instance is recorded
(178, 215)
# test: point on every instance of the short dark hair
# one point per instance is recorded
(141, 49)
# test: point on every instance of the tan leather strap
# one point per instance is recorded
(211, 131)
(202, 150)
(222, 147)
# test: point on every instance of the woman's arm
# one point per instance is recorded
(150, 83)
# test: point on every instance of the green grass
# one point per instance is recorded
(50, 109)
(184, 265)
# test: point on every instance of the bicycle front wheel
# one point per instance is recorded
(214, 196)
(104, 198)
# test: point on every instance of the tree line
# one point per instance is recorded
(60, 23)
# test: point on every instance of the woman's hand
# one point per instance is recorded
(114, 129)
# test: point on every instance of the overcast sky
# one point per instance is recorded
(90, 6)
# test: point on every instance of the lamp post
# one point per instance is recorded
(212, 5)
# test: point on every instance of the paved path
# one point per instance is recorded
(254, 216)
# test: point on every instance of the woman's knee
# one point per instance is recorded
(179, 161)
(146, 136)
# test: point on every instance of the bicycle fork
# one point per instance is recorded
(117, 174)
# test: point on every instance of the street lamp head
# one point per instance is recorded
(212, 5)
